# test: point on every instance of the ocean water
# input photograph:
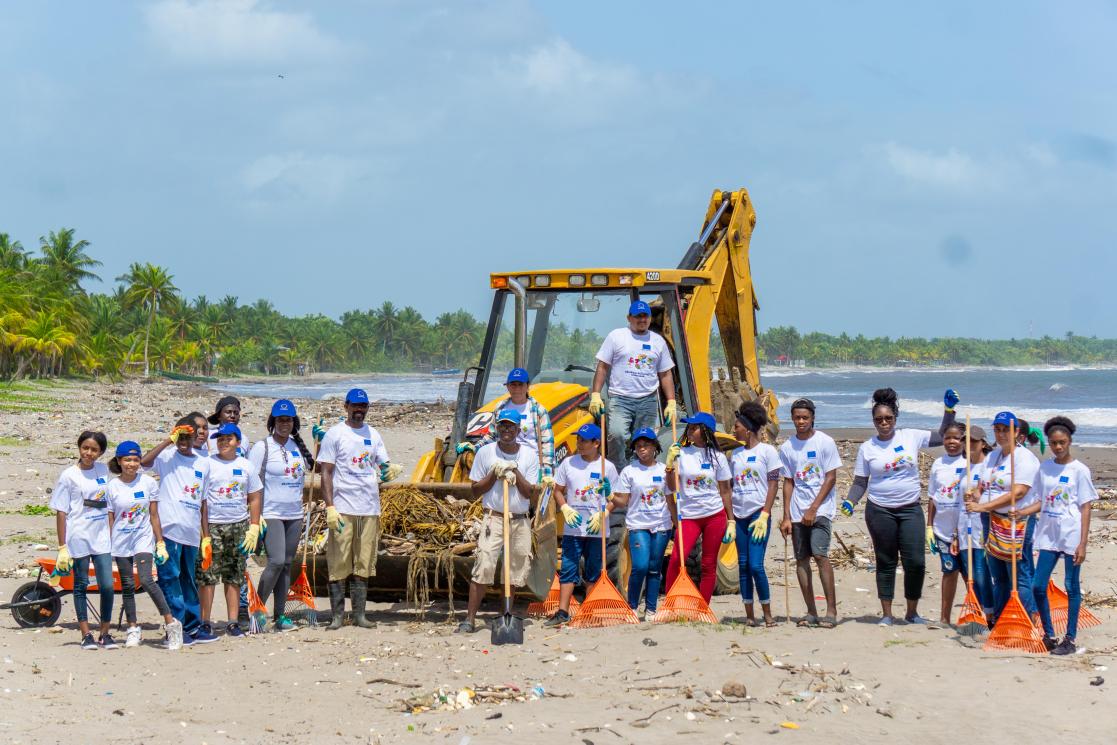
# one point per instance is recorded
(842, 396)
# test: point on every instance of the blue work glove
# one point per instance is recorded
(318, 432)
(847, 508)
(465, 447)
(606, 489)
(950, 399)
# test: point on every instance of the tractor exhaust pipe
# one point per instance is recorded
(520, 333)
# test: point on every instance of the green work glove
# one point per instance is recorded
(596, 405)
(318, 432)
(63, 564)
(390, 472)
(760, 527)
(673, 454)
(730, 532)
(932, 544)
(251, 538)
(670, 412)
(161, 555)
(570, 515)
(594, 527)
(465, 447)
(333, 519)
(606, 488)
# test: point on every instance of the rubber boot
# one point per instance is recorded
(337, 605)
(359, 594)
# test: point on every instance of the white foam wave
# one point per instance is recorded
(1057, 386)
(1094, 417)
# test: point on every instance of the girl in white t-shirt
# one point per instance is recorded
(756, 478)
(81, 506)
(650, 519)
(1066, 493)
(698, 474)
(945, 489)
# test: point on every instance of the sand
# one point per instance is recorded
(647, 683)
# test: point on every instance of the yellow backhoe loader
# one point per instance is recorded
(551, 322)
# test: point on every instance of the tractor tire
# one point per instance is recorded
(37, 615)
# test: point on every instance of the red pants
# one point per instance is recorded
(712, 530)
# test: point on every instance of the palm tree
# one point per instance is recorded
(66, 259)
(12, 255)
(148, 287)
(386, 323)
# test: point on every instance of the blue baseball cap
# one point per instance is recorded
(646, 433)
(228, 428)
(128, 447)
(518, 375)
(283, 407)
(356, 396)
(589, 432)
(1006, 418)
(639, 308)
(702, 418)
(508, 415)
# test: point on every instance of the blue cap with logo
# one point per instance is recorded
(356, 396)
(702, 418)
(589, 432)
(128, 447)
(508, 415)
(226, 429)
(283, 407)
(518, 375)
(646, 433)
(639, 308)
(1005, 417)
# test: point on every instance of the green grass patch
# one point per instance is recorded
(905, 643)
(12, 442)
(28, 396)
(37, 510)
(26, 538)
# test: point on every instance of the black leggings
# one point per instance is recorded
(897, 532)
(142, 563)
(281, 543)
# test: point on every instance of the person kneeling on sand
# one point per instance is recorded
(501, 464)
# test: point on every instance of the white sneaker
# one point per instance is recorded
(174, 635)
(649, 617)
(132, 639)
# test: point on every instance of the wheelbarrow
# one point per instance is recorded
(37, 604)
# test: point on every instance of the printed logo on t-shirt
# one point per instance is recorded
(652, 496)
(192, 490)
(232, 490)
(362, 461)
(131, 515)
(294, 469)
(641, 362)
(749, 474)
(1061, 493)
(701, 481)
(810, 469)
(899, 463)
(590, 492)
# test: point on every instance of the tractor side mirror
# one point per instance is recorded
(589, 305)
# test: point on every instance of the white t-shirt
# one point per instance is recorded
(635, 362)
(698, 494)
(646, 487)
(131, 507)
(946, 486)
(806, 463)
(751, 469)
(527, 434)
(283, 478)
(892, 467)
(997, 475)
(230, 482)
(87, 527)
(583, 487)
(528, 464)
(1063, 489)
(182, 489)
(356, 455)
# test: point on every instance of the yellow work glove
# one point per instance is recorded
(760, 527)
(596, 405)
(207, 552)
(670, 412)
(730, 532)
(63, 564)
(161, 555)
(547, 480)
(570, 515)
(932, 544)
(180, 431)
(673, 454)
(333, 519)
(594, 527)
(251, 538)
(390, 471)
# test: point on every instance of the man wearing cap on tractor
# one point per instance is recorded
(638, 364)
(353, 462)
(500, 463)
(583, 495)
(535, 425)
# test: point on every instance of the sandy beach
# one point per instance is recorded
(648, 684)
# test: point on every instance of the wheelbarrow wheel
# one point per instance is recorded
(36, 615)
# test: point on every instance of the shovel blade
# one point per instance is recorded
(508, 629)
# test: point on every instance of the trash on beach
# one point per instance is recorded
(446, 698)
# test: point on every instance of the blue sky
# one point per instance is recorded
(945, 170)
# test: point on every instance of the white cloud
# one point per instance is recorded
(297, 176)
(557, 67)
(952, 169)
(236, 31)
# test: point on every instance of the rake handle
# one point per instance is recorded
(969, 530)
(1012, 494)
(507, 552)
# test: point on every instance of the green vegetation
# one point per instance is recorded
(35, 510)
(11, 441)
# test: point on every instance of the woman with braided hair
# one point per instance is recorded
(704, 501)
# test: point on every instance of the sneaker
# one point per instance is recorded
(885, 621)
(560, 618)
(916, 619)
(283, 623)
(107, 642)
(201, 636)
(207, 628)
(649, 616)
(234, 629)
(187, 639)
(1049, 643)
(88, 642)
(466, 627)
(134, 636)
(172, 639)
(1066, 646)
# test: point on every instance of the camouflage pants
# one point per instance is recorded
(228, 561)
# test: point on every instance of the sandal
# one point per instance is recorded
(828, 622)
(466, 627)
(770, 622)
(807, 622)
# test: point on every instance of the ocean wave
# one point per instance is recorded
(1094, 417)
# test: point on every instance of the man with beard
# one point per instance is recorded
(353, 462)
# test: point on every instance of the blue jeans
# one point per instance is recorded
(574, 548)
(647, 550)
(176, 579)
(982, 587)
(1001, 574)
(1044, 567)
(750, 559)
(102, 567)
(625, 416)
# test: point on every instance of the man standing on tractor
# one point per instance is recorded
(638, 364)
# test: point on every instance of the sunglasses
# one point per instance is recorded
(883, 419)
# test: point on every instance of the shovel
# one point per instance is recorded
(507, 629)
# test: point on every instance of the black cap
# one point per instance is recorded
(216, 415)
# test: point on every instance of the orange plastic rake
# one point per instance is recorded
(1014, 629)
(683, 601)
(547, 608)
(972, 614)
(1057, 599)
(300, 598)
(257, 611)
(604, 605)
